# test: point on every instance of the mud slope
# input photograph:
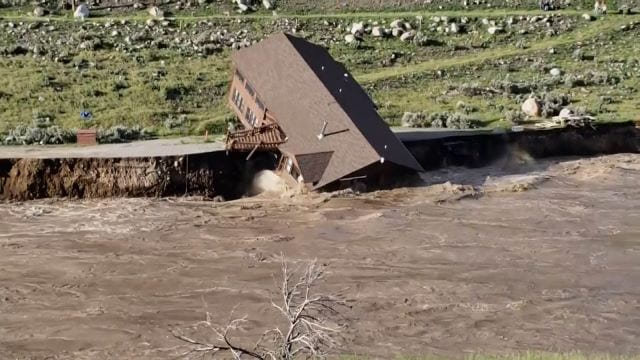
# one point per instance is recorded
(522, 255)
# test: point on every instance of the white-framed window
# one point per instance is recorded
(251, 117)
(237, 99)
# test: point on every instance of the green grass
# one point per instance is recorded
(600, 27)
(148, 87)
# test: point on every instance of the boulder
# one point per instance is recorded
(588, 17)
(397, 24)
(532, 107)
(377, 31)
(565, 113)
(268, 4)
(494, 30)
(397, 32)
(625, 10)
(454, 28)
(243, 5)
(409, 35)
(156, 12)
(39, 11)
(555, 72)
(82, 12)
(357, 29)
(350, 38)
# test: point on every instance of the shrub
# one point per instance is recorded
(415, 120)
(213, 126)
(465, 108)
(121, 134)
(52, 135)
(553, 103)
(515, 116)
(452, 121)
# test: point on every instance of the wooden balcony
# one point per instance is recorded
(265, 138)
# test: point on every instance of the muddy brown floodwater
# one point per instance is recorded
(517, 256)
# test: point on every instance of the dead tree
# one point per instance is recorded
(313, 322)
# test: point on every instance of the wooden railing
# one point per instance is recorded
(266, 137)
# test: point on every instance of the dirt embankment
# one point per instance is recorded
(481, 150)
(209, 175)
(229, 176)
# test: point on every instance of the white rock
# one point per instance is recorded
(531, 107)
(555, 72)
(357, 29)
(377, 31)
(39, 11)
(587, 17)
(396, 32)
(82, 12)
(565, 113)
(242, 5)
(267, 4)
(494, 30)
(397, 24)
(485, 21)
(350, 38)
(156, 12)
(454, 28)
(409, 35)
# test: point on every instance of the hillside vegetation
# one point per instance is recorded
(456, 66)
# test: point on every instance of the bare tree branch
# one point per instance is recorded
(311, 329)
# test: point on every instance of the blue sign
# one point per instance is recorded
(86, 115)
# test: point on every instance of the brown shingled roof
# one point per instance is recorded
(312, 166)
(302, 86)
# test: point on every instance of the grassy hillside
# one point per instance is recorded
(170, 76)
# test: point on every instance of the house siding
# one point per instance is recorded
(246, 103)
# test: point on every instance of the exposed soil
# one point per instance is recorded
(118, 170)
(521, 255)
(210, 175)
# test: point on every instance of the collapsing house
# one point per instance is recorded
(292, 97)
